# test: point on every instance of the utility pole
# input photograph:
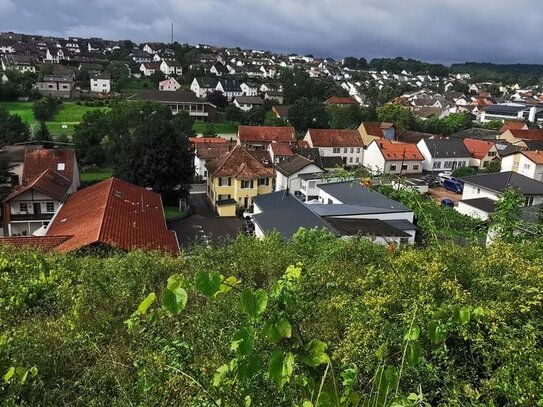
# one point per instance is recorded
(172, 32)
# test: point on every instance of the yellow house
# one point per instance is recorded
(234, 179)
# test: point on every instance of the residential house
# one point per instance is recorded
(249, 89)
(527, 163)
(234, 179)
(100, 83)
(170, 85)
(207, 149)
(386, 156)
(199, 109)
(482, 192)
(517, 137)
(246, 103)
(7, 46)
(61, 160)
(482, 152)
(153, 47)
(288, 173)
(279, 152)
(61, 86)
(113, 214)
(260, 137)
(219, 69)
(341, 101)
(370, 131)
(149, 68)
(513, 125)
(19, 63)
(346, 209)
(31, 206)
(203, 86)
(443, 154)
(281, 112)
(169, 68)
(230, 88)
(275, 95)
(346, 144)
(139, 56)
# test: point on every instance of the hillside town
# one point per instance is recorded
(275, 143)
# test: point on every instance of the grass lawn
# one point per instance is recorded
(96, 174)
(172, 213)
(134, 85)
(224, 127)
(67, 117)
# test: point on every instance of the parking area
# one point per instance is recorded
(204, 226)
(440, 193)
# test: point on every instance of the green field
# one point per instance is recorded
(224, 127)
(96, 174)
(67, 117)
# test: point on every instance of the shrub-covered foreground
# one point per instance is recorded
(350, 324)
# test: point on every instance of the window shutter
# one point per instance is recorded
(229, 181)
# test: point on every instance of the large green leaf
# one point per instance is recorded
(277, 330)
(243, 341)
(220, 375)
(280, 367)
(249, 367)
(174, 281)
(436, 332)
(254, 304)
(413, 353)
(208, 284)
(387, 379)
(228, 283)
(9, 374)
(412, 334)
(315, 353)
(146, 303)
(174, 301)
(462, 315)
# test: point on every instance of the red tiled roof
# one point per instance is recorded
(45, 243)
(265, 134)
(512, 125)
(207, 140)
(478, 148)
(336, 100)
(281, 149)
(49, 183)
(376, 128)
(531, 134)
(536, 156)
(335, 138)
(38, 160)
(237, 163)
(393, 151)
(211, 151)
(114, 213)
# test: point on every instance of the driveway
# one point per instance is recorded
(440, 193)
(204, 226)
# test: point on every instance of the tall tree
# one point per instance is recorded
(305, 114)
(12, 128)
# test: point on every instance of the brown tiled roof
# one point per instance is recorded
(478, 148)
(237, 163)
(394, 151)
(531, 134)
(212, 151)
(207, 140)
(376, 128)
(409, 136)
(336, 100)
(293, 164)
(335, 138)
(38, 160)
(113, 213)
(263, 157)
(45, 243)
(510, 125)
(49, 183)
(265, 134)
(536, 156)
(281, 149)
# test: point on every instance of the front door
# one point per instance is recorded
(37, 208)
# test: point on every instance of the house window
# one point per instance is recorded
(415, 167)
(485, 164)
(358, 149)
(49, 206)
(23, 207)
(352, 150)
(223, 197)
(393, 167)
(312, 184)
(263, 181)
(350, 159)
(225, 181)
(437, 164)
(491, 153)
(404, 167)
(246, 184)
(447, 164)
(529, 201)
(336, 150)
(526, 166)
(345, 150)
(357, 159)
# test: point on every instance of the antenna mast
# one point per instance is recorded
(172, 31)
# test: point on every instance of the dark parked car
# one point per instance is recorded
(453, 185)
(449, 203)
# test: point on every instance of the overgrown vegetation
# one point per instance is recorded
(350, 324)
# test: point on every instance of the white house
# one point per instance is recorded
(249, 89)
(346, 144)
(169, 84)
(527, 163)
(481, 192)
(169, 68)
(246, 103)
(203, 86)
(149, 68)
(288, 172)
(101, 83)
(443, 154)
(482, 152)
(386, 156)
(230, 88)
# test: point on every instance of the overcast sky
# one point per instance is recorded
(432, 30)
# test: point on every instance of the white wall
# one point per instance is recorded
(471, 211)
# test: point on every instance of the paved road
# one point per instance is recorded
(204, 226)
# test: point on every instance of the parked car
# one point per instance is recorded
(443, 176)
(453, 185)
(449, 203)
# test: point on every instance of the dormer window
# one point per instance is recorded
(61, 166)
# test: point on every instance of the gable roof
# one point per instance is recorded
(478, 148)
(500, 181)
(237, 163)
(211, 151)
(534, 144)
(38, 160)
(207, 82)
(45, 243)
(265, 134)
(293, 164)
(281, 149)
(249, 100)
(512, 125)
(376, 128)
(281, 111)
(336, 100)
(207, 140)
(335, 138)
(446, 148)
(49, 183)
(531, 134)
(394, 151)
(114, 213)
(535, 156)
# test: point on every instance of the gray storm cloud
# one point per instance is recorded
(436, 30)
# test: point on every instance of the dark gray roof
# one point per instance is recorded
(483, 204)
(285, 214)
(207, 82)
(505, 109)
(447, 148)
(534, 144)
(292, 165)
(353, 193)
(402, 224)
(500, 181)
(168, 97)
(230, 85)
(103, 75)
(249, 100)
(342, 210)
(477, 133)
(361, 227)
